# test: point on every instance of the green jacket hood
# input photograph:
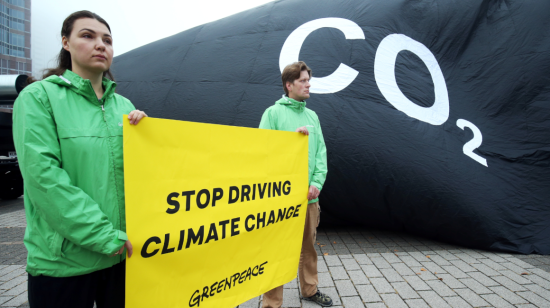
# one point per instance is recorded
(82, 86)
(292, 103)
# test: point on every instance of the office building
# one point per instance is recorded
(15, 37)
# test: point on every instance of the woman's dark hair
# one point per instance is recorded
(64, 57)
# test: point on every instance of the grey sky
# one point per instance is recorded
(133, 23)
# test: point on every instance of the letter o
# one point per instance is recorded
(339, 79)
(384, 74)
(203, 205)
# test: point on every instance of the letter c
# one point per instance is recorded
(144, 252)
(248, 229)
(257, 268)
(339, 79)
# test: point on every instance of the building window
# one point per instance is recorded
(16, 52)
(20, 67)
(12, 44)
(20, 3)
(17, 14)
(4, 66)
(17, 40)
(4, 36)
(17, 24)
(12, 18)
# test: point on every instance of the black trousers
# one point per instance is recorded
(105, 287)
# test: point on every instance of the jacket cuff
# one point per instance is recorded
(319, 186)
(117, 242)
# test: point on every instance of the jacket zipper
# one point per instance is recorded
(114, 169)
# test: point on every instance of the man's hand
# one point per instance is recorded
(135, 116)
(313, 193)
(302, 130)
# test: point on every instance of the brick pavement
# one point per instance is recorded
(360, 268)
(13, 255)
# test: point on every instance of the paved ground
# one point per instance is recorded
(359, 268)
(13, 255)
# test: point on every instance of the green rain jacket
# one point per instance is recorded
(69, 146)
(288, 114)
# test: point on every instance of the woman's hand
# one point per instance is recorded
(135, 116)
(128, 247)
(302, 130)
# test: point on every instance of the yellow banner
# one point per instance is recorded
(215, 213)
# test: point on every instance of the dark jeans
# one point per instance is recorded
(105, 287)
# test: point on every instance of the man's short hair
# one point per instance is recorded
(292, 72)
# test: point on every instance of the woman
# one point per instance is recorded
(68, 137)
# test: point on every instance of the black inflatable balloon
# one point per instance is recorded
(436, 114)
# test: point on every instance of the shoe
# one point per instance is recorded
(320, 298)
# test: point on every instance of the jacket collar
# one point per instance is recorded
(83, 87)
(292, 103)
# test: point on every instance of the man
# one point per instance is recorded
(290, 114)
